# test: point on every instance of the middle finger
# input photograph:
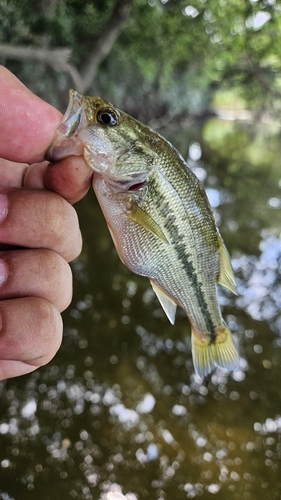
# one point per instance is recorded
(35, 273)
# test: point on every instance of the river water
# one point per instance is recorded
(119, 408)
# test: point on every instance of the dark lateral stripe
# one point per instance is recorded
(177, 241)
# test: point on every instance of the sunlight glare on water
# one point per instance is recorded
(119, 413)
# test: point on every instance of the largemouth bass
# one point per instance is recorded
(159, 218)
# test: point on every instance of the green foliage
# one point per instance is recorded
(169, 56)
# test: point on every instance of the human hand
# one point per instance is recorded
(35, 215)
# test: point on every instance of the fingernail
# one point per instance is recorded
(3, 271)
(3, 206)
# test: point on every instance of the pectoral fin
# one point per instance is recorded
(168, 304)
(138, 215)
(226, 276)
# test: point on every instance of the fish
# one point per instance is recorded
(159, 217)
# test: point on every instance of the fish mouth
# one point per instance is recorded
(67, 141)
(62, 148)
(130, 183)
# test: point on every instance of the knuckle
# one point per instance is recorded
(31, 330)
(63, 227)
(57, 278)
(46, 326)
(38, 218)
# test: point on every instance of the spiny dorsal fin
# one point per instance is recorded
(208, 353)
(138, 215)
(226, 276)
(169, 306)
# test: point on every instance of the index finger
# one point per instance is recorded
(27, 122)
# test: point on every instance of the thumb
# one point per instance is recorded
(27, 122)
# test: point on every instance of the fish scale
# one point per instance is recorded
(159, 218)
(189, 295)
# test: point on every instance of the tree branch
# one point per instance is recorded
(57, 58)
(102, 45)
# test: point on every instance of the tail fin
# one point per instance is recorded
(208, 353)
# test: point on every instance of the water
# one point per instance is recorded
(120, 407)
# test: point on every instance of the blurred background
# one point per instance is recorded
(119, 410)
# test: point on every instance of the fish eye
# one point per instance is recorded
(107, 117)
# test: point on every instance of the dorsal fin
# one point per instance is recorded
(169, 306)
(226, 277)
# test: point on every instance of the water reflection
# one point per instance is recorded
(119, 414)
(259, 286)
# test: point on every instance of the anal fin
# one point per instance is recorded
(169, 306)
